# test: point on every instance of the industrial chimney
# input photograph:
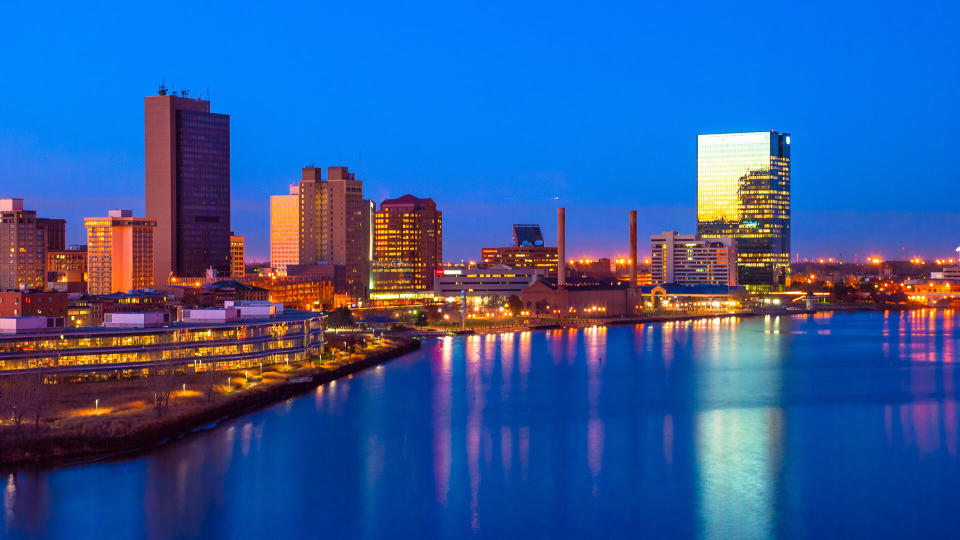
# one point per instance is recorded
(633, 248)
(561, 248)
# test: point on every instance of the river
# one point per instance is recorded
(833, 425)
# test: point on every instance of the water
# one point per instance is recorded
(826, 426)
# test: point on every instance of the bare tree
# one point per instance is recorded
(162, 384)
(38, 397)
(210, 379)
(17, 396)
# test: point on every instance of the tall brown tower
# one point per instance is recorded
(187, 151)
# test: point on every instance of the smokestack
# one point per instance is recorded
(561, 248)
(633, 248)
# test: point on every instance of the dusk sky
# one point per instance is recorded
(493, 109)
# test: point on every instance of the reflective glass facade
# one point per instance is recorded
(743, 192)
(203, 193)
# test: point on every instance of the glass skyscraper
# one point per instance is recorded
(743, 192)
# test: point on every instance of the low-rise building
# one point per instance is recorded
(484, 281)
(135, 343)
(33, 303)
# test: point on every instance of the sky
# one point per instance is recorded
(501, 110)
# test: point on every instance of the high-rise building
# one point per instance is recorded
(285, 230)
(743, 192)
(687, 259)
(333, 224)
(119, 252)
(187, 150)
(23, 247)
(408, 244)
(349, 232)
(238, 266)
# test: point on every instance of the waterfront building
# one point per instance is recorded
(743, 192)
(496, 281)
(408, 246)
(687, 259)
(237, 258)
(528, 251)
(23, 247)
(233, 338)
(590, 298)
(622, 267)
(119, 252)
(187, 152)
(285, 230)
(33, 303)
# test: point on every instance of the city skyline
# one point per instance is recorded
(472, 129)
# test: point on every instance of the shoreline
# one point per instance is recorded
(429, 332)
(53, 449)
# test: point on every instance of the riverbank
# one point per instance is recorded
(80, 426)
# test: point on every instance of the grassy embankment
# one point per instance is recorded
(87, 418)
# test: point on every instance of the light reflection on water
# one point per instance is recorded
(822, 425)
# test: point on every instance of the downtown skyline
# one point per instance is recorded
(496, 143)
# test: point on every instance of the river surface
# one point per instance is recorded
(840, 425)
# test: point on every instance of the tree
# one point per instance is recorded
(38, 398)
(162, 384)
(419, 318)
(341, 317)
(515, 305)
(210, 379)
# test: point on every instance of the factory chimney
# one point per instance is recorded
(561, 248)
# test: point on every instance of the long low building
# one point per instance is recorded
(235, 341)
(484, 281)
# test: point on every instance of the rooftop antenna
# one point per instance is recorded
(162, 90)
(360, 165)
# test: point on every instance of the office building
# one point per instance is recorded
(349, 229)
(119, 252)
(408, 244)
(285, 230)
(528, 251)
(333, 226)
(687, 259)
(484, 281)
(23, 247)
(241, 335)
(187, 151)
(743, 192)
(238, 266)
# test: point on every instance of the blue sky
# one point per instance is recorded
(494, 108)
